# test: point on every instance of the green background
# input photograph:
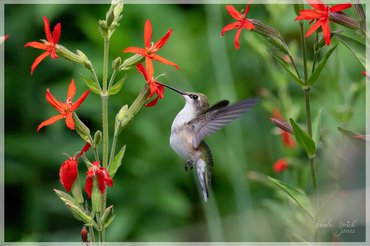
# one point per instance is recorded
(153, 198)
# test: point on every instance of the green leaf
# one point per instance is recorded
(357, 49)
(92, 85)
(316, 127)
(117, 161)
(287, 68)
(297, 195)
(315, 75)
(303, 139)
(117, 86)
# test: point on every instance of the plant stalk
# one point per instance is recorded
(306, 90)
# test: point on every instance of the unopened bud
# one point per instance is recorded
(103, 28)
(271, 34)
(359, 12)
(97, 137)
(345, 20)
(282, 125)
(116, 63)
(69, 55)
(131, 62)
(107, 217)
(82, 129)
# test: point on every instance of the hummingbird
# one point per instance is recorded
(196, 121)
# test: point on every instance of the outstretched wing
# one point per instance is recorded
(217, 117)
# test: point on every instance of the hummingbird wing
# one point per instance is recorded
(217, 117)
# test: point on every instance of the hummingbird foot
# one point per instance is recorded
(188, 164)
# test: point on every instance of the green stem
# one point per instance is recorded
(315, 52)
(294, 65)
(105, 128)
(113, 148)
(306, 90)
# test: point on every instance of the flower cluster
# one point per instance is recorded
(150, 53)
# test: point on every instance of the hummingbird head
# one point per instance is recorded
(197, 101)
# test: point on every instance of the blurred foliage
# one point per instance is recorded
(153, 198)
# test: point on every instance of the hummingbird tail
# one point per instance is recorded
(201, 170)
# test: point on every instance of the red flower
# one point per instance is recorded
(68, 170)
(280, 165)
(321, 14)
(103, 178)
(49, 46)
(150, 49)
(66, 109)
(288, 141)
(242, 22)
(154, 87)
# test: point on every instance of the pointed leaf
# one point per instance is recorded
(92, 85)
(315, 75)
(303, 139)
(316, 127)
(297, 195)
(288, 69)
(357, 49)
(117, 161)
(63, 195)
(117, 86)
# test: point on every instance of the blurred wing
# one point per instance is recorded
(214, 119)
(218, 105)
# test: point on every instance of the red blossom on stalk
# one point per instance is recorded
(280, 165)
(285, 135)
(320, 13)
(102, 175)
(49, 46)
(66, 109)
(68, 170)
(154, 87)
(150, 50)
(242, 22)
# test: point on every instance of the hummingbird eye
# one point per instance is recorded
(195, 97)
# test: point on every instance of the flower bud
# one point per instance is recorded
(82, 129)
(345, 20)
(97, 138)
(103, 28)
(359, 12)
(107, 217)
(116, 63)
(131, 62)
(69, 55)
(271, 34)
(282, 125)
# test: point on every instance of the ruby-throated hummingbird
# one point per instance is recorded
(196, 121)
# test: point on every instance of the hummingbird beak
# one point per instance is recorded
(174, 89)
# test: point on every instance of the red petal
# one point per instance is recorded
(326, 32)
(159, 44)
(68, 173)
(101, 180)
(89, 183)
(107, 179)
(71, 90)
(55, 103)
(317, 4)
(340, 7)
(308, 15)
(148, 34)
(152, 103)
(142, 70)
(38, 60)
(236, 40)
(80, 100)
(56, 33)
(287, 139)
(37, 45)
(313, 28)
(164, 61)
(50, 121)
(248, 25)
(149, 68)
(49, 37)
(233, 12)
(69, 121)
(135, 50)
(84, 150)
(229, 27)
